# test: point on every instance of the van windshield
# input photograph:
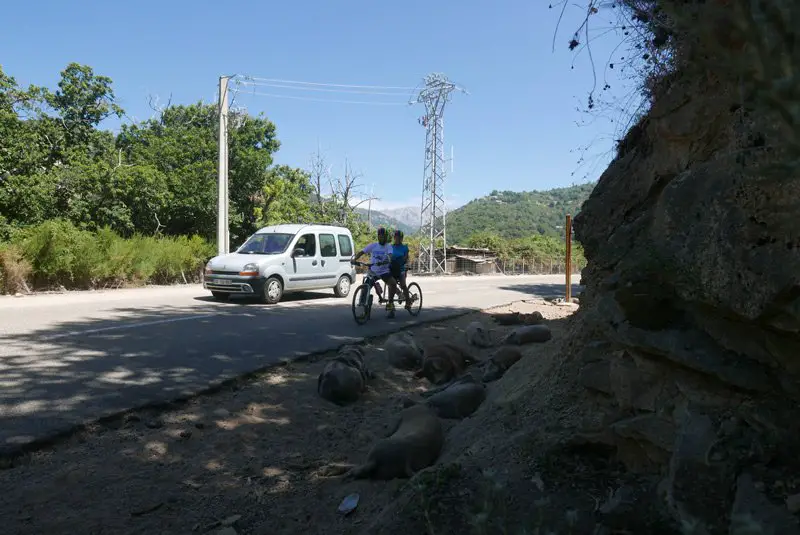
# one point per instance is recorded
(266, 244)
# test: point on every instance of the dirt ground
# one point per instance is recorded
(258, 457)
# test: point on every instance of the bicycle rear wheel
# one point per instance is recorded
(415, 293)
(361, 306)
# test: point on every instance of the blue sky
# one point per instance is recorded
(517, 130)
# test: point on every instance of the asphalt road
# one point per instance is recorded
(66, 359)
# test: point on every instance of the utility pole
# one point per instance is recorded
(434, 96)
(223, 236)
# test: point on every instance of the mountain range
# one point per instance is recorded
(508, 214)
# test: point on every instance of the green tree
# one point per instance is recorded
(182, 146)
(487, 240)
(284, 197)
(82, 101)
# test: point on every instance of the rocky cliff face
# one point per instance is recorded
(693, 302)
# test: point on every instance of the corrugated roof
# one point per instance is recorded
(478, 259)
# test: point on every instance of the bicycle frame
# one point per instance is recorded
(371, 279)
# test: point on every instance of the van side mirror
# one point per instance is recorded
(299, 252)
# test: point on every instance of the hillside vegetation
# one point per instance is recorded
(512, 215)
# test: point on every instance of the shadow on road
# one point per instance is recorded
(294, 297)
(545, 290)
(55, 378)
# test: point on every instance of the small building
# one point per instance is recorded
(471, 260)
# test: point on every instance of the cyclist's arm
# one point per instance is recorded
(362, 252)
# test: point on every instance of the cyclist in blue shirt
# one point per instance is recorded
(399, 260)
(381, 258)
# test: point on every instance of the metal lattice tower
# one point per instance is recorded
(432, 254)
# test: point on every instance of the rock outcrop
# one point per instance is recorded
(692, 299)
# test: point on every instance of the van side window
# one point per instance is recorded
(345, 245)
(327, 245)
(308, 243)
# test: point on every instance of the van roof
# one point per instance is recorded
(294, 228)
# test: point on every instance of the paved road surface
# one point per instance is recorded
(69, 358)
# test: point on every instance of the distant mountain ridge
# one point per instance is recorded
(379, 219)
(509, 214)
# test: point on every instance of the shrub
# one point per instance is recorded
(56, 253)
(14, 270)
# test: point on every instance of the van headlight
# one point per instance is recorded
(249, 270)
(208, 269)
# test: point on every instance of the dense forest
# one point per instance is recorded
(513, 215)
(83, 207)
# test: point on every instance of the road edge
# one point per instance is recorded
(9, 453)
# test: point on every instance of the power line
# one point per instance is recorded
(278, 86)
(375, 103)
(275, 80)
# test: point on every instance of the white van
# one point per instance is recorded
(284, 258)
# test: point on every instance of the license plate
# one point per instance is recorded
(223, 282)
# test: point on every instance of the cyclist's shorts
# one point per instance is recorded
(397, 271)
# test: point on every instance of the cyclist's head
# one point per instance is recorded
(398, 237)
(382, 235)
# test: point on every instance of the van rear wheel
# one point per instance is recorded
(342, 288)
(273, 291)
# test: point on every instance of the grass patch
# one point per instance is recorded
(57, 254)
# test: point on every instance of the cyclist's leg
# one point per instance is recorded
(396, 274)
(404, 287)
(392, 284)
(377, 286)
(401, 282)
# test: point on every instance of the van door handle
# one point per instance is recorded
(314, 263)
(323, 263)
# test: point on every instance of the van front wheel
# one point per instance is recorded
(342, 288)
(273, 291)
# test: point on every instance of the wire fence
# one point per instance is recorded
(507, 266)
(532, 266)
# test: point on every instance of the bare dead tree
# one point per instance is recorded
(345, 190)
(158, 110)
(319, 174)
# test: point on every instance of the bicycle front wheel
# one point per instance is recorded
(415, 295)
(361, 305)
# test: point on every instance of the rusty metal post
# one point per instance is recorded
(569, 259)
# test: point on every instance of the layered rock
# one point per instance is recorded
(693, 292)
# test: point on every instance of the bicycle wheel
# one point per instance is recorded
(361, 308)
(415, 293)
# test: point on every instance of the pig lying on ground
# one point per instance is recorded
(344, 377)
(444, 361)
(458, 400)
(414, 443)
(500, 362)
(517, 318)
(402, 351)
(478, 335)
(528, 334)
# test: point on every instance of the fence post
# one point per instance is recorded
(569, 259)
